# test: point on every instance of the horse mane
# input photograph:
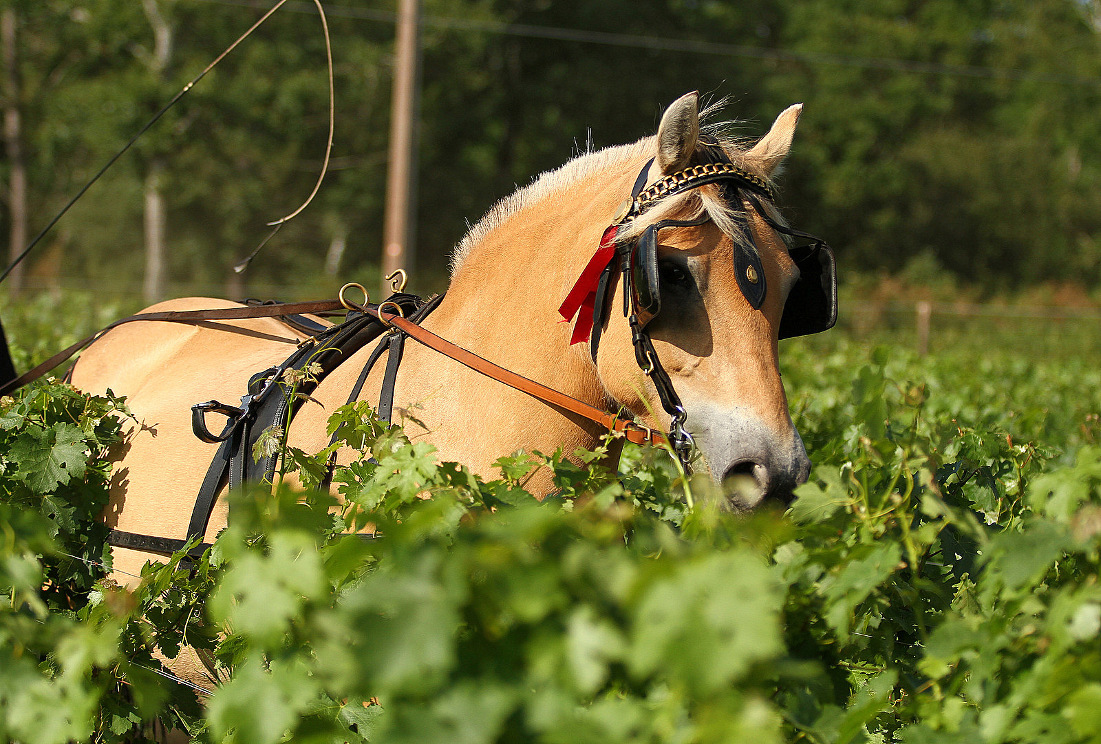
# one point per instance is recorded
(573, 171)
(585, 164)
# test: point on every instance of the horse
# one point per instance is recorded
(709, 274)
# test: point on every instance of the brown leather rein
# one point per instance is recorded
(613, 422)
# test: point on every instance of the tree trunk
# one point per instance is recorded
(397, 252)
(156, 217)
(336, 252)
(13, 142)
(153, 285)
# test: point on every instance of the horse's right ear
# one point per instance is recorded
(771, 150)
(678, 133)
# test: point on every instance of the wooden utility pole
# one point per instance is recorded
(13, 144)
(397, 251)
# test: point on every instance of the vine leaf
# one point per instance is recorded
(48, 458)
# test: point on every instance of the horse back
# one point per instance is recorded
(163, 369)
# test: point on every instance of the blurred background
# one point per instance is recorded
(949, 151)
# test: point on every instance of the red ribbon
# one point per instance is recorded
(581, 300)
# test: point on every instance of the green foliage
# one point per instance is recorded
(936, 580)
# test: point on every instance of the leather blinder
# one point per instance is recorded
(811, 306)
(750, 274)
(645, 280)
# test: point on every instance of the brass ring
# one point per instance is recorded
(400, 313)
(348, 304)
(397, 281)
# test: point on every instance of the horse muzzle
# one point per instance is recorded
(753, 462)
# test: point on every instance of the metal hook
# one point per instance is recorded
(398, 311)
(397, 281)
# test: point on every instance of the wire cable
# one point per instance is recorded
(156, 117)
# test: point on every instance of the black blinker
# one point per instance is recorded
(750, 274)
(645, 282)
(811, 306)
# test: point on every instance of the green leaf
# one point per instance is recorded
(592, 644)
(259, 705)
(856, 580)
(1018, 560)
(816, 503)
(49, 457)
(708, 621)
(264, 593)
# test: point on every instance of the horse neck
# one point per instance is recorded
(503, 299)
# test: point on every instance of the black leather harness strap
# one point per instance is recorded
(267, 407)
(152, 544)
(7, 368)
(394, 343)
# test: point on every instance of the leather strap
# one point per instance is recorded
(174, 316)
(153, 544)
(632, 431)
(385, 408)
(7, 368)
(216, 476)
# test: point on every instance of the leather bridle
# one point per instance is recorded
(636, 262)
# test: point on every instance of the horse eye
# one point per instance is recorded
(674, 274)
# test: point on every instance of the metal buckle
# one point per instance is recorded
(684, 446)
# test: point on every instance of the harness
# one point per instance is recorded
(268, 406)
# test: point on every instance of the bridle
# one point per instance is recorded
(814, 308)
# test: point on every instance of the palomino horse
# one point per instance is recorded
(721, 272)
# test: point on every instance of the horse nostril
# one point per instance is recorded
(746, 482)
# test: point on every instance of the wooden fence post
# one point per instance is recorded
(924, 312)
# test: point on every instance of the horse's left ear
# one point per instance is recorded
(771, 149)
(678, 133)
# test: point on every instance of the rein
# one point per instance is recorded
(175, 316)
(613, 422)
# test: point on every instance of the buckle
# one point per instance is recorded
(198, 420)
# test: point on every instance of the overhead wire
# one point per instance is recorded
(171, 103)
(694, 46)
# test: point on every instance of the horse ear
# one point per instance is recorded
(771, 149)
(678, 133)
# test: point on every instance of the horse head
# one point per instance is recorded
(708, 268)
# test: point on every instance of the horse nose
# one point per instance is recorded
(754, 462)
(749, 484)
(746, 482)
(766, 477)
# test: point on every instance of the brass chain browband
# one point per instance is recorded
(697, 175)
